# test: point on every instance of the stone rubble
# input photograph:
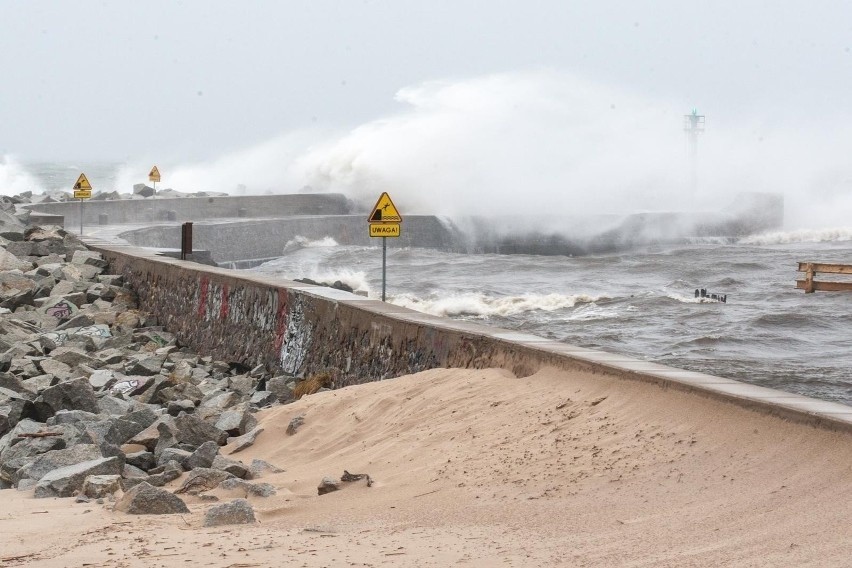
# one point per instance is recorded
(97, 398)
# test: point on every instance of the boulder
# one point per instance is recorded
(246, 440)
(282, 387)
(260, 467)
(327, 485)
(144, 499)
(202, 457)
(100, 486)
(203, 479)
(237, 512)
(143, 460)
(67, 481)
(54, 459)
(235, 468)
(171, 470)
(195, 431)
(76, 394)
(248, 488)
(236, 422)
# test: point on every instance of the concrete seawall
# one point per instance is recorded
(192, 208)
(266, 238)
(296, 328)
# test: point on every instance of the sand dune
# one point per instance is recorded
(479, 468)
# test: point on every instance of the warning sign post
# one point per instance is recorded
(82, 190)
(385, 221)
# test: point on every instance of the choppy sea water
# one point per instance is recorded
(639, 303)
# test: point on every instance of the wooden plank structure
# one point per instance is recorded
(809, 285)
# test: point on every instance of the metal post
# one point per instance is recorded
(81, 216)
(384, 264)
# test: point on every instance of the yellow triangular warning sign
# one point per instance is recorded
(384, 211)
(154, 175)
(83, 183)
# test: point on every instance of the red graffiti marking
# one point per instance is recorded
(280, 321)
(223, 311)
(202, 302)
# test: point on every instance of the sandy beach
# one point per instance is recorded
(481, 468)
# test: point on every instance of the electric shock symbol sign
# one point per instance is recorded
(385, 211)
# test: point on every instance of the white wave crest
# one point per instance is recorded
(14, 179)
(829, 235)
(690, 299)
(300, 242)
(355, 279)
(481, 305)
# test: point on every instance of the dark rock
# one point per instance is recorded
(282, 387)
(143, 460)
(68, 480)
(202, 457)
(203, 479)
(295, 423)
(175, 407)
(237, 512)
(327, 485)
(246, 440)
(54, 459)
(236, 422)
(195, 431)
(235, 468)
(261, 399)
(75, 394)
(170, 471)
(172, 454)
(260, 467)
(144, 499)
(100, 486)
(249, 489)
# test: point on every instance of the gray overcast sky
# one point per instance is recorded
(195, 79)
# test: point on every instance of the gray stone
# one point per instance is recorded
(144, 499)
(58, 369)
(295, 423)
(102, 379)
(113, 406)
(175, 407)
(133, 471)
(282, 387)
(143, 460)
(235, 468)
(171, 470)
(54, 459)
(167, 438)
(144, 366)
(236, 422)
(175, 454)
(242, 384)
(151, 435)
(261, 399)
(248, 488)
(68, 480)
(76, 394)
(203, 479)
(90, 258)
(202, 457)
(99, 486)
(327, 485)
(260, 467)
(237, 512)
(246, 440)
(195, 431)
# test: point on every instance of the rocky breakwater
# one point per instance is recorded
(98, 401)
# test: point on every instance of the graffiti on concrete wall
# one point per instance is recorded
(296, 338)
